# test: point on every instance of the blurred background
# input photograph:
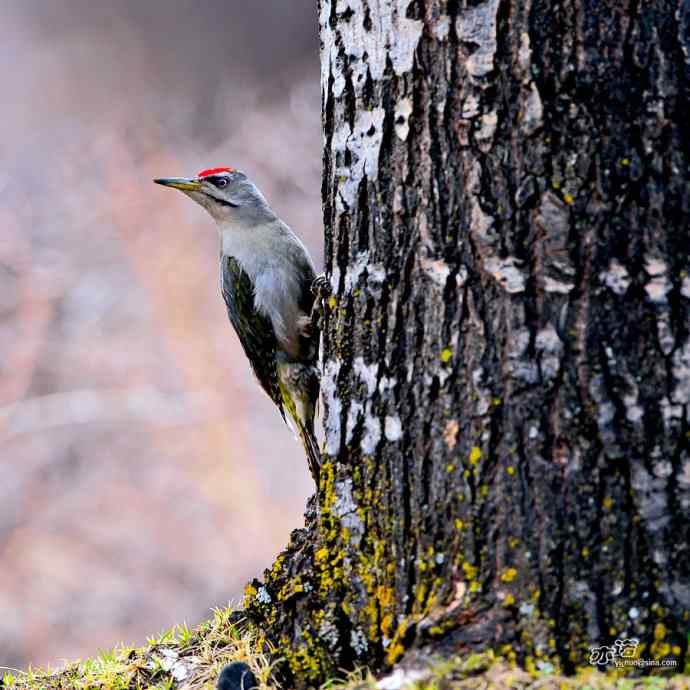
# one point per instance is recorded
(144, 477)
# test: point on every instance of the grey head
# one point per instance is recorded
(227, 194)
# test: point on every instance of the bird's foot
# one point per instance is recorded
(321, 286)
(321, 289)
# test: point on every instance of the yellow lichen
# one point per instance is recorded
(469, 570)
(509, 575)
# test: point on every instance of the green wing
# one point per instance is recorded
(254, 330)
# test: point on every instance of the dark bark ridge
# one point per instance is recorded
(506, 355)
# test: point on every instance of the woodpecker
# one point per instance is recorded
(266, 279)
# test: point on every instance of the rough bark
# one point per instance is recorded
(506, 356)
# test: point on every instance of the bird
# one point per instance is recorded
(236, 676)
(270, 287)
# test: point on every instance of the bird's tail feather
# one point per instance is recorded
(304, 431)
(311, 447)
(299, 391)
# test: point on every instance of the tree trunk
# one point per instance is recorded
(506, 355)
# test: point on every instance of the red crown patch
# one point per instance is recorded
(214, 171)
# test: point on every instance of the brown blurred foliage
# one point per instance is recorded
(144, 477)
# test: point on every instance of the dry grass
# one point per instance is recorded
(181, 658)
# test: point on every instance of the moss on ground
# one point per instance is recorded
(178, 658)
(191, 659)
(487, 672)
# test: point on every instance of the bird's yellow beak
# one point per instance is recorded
(183, 183)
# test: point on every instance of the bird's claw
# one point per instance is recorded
(321, 289)
(321, 286)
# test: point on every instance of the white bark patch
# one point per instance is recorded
(392, 428)
(616, 278)
(402, 118)
(392, 37)
(366, 373)
(344, 503)
(372, 434)
(327, 48)
(355, 270)
(354, 414)
(375, 272)
(332, 405)
(364, 144)
(506, 273)
(659, 286)
(477, 25)
(386, 383)
(551, 347)
(369, 129)
(335, 281)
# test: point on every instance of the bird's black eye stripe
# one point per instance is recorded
(222, 202)
(219, 182)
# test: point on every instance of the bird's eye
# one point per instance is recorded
(221, 182)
